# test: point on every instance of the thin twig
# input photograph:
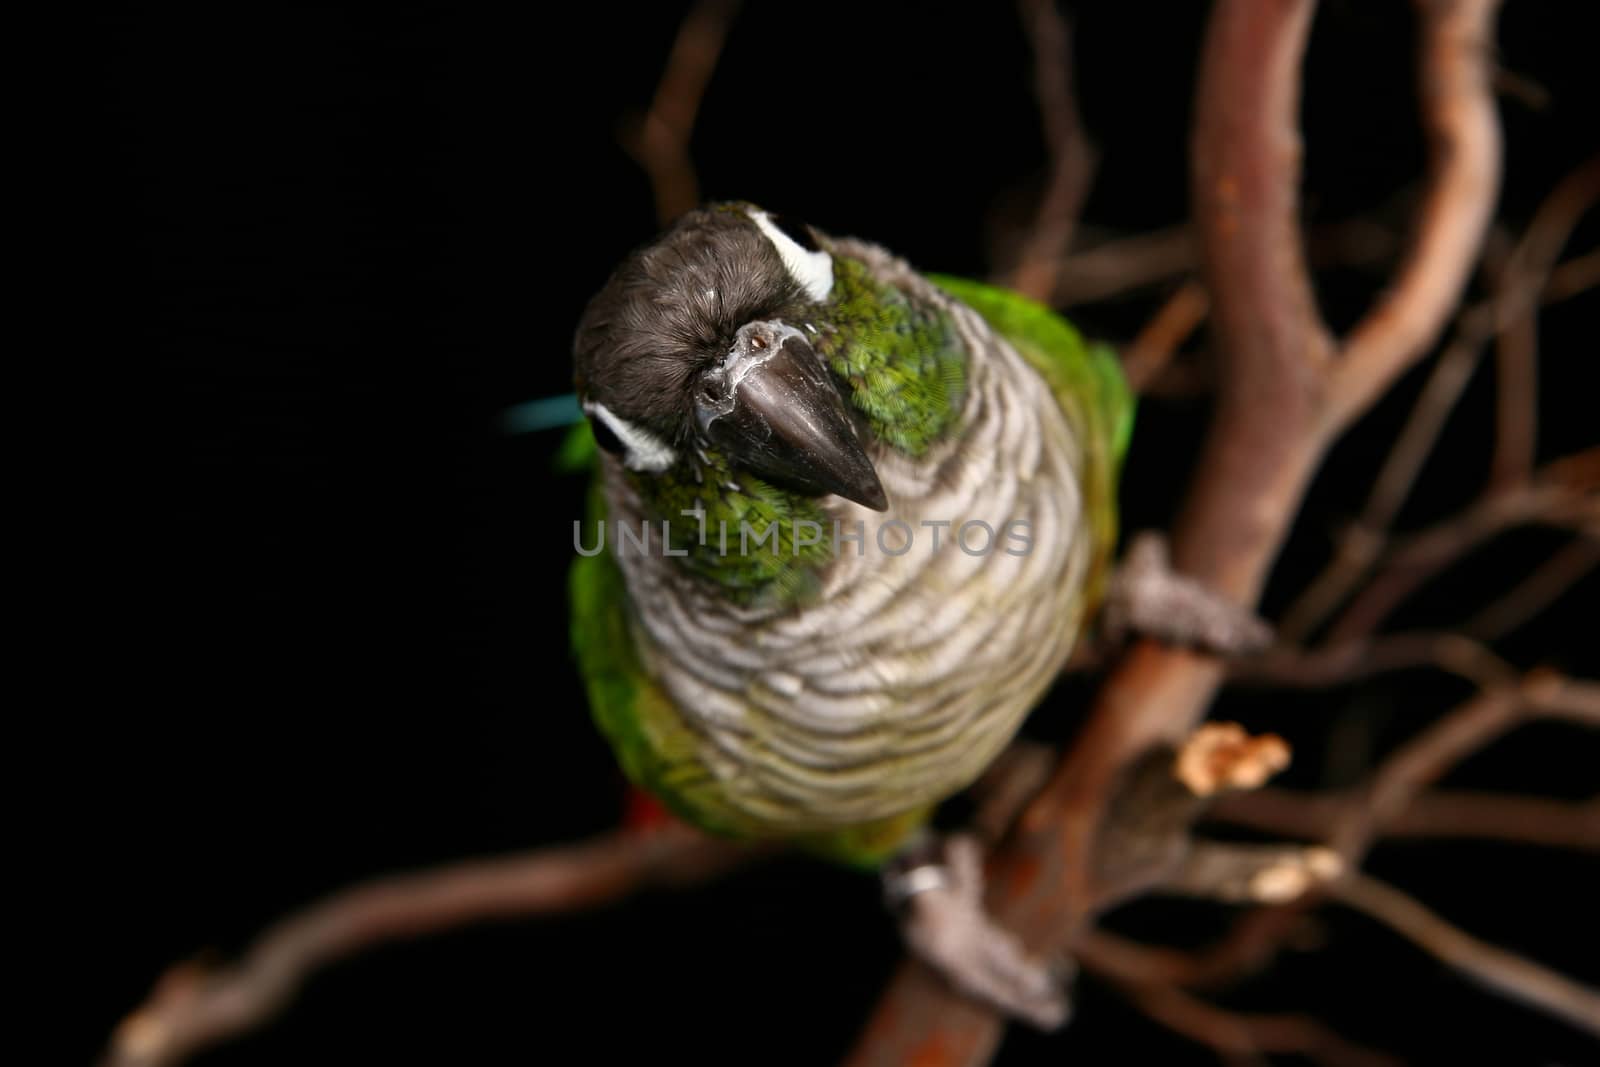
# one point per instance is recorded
(191, 1009)
(1538, 590)
(1114, 267)
(1500, 970)
(1363, 541)
(1517, 351)
(660, 139)
(1149, 353)
(1576, 275)
(1554, 694)
(1131, 966)
(1313, 816)
(1521, 283)
(1362, 658)
(1119, 266)
(1072, 156)
(1561, 494)
(1421, 761)
(1404, 776)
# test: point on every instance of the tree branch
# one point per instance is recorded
(1425, 758)
(1352, 661)
(1384, 803)
(1505, 972)
(1562, 493)
(1072, 156)
(1522, 279)
(1273, 421)
(1314, 816)
(1256, 466)
(1124, 264)
(1537, 591)
(1517, 348)
(1463, 181)
(1144, 358)
(191, 1009)
(1134, 968)
(660, 138)
(1363, 542)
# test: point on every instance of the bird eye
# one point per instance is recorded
(796, 231)
(605, 437)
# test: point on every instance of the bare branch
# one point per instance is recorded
(1072, 156)
(1149, 353)
(1516, 401)
(1517, 351)
(660, 140)
(1313, 816)
(1538, 591)
(1137, 971)
(1121, 265)
(1553, 694)
(1274, 347)
(1463, 182)
(1363, 542)
(1560, 494)
(1523, 278)
(1272, 423)
(1424, 759)
(1421, 761)
(1403, 776)
(1352, 661)
(1255, 470)
(1576, 275)
(1505, 972)
(191, 1009)
(1142, 968)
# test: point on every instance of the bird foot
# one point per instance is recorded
(1147, 596)
(939, 890)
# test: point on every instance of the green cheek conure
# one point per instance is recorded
(853, 520)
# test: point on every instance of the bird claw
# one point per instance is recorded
(1146, 595)
(945, 926)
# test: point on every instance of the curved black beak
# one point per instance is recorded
(772, 406)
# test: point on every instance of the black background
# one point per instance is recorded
(327, 629)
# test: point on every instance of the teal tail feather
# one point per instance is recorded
(546, 413)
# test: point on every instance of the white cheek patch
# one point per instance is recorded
(642, 450)
(813, 270)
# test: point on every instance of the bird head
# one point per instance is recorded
(704, 341)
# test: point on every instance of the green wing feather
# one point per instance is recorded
(1087, 382)
(656, 748)
(578, 451)
(644, 730)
